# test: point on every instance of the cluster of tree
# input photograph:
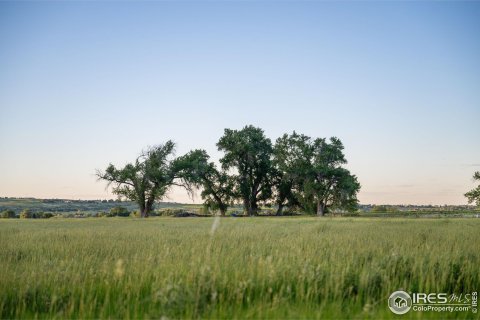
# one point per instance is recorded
(117, 211)
(8, 214)
(25, 214)
(296, 172)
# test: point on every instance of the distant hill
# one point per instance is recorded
(69, 206)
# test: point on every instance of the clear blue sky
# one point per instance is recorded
(83, 84)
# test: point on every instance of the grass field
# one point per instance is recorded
(245, 267)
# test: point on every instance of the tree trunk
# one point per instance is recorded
(141, 206)
(144, 210)
(246, 207)
(253, 208)
(222, 208)
(149, 206)
(279, 210)
(320, 209)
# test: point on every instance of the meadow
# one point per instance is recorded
(289, 267)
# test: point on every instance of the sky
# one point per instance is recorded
(86, 83)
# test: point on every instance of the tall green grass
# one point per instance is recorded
(245, 268)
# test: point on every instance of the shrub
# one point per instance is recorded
(8, 214)
(151, 214)
(27, 214)
(44, 215)
(119, 212)
(80, 214)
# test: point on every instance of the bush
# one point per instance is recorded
(27, 214)
(153, 213)
(44, 215)
(119, 212)
(8, 214)
(102, 214)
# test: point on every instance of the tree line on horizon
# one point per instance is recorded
(296, 172)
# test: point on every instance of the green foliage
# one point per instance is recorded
(7, 214)
(44, 215)
(27, 214)
(101, 214)
(248, 152)
(473, 196)
(119, 212)
(298, 172)
(217, 186)
(310, 174)
(64, 206)
(146, 180)
(275, 268)
(290, 163)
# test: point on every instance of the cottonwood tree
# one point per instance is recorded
(148, 179)
(315, 168)
(331, 184)
(248, 152)
(216, 185)
(474, 194)
(289, 162)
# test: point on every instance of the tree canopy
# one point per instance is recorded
(312, 168)
(291, 160)
(474, 194)
(249, 153)
(297, 172)
(216, 185)
(148, 179)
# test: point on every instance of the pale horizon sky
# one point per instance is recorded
(83, 84)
